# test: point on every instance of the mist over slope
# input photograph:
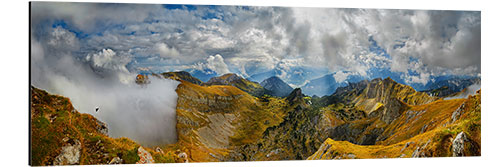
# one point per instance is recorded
(146, 114)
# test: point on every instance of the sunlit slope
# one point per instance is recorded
(438, 129)
(181, 75)
(243, 84)
(56, 127)
(211, 120)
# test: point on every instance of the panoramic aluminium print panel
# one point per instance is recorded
(118, 83)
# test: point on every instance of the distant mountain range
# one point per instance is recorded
(229, 118)
(276, 86)
(326, 85)
(296, 76)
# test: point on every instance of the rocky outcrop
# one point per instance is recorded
(183, 156)
(458, 145)
(102, 127)
(116, 160)
(70, 153)
(420, 151)
(457, 113)
(144, 156)
(295, 96)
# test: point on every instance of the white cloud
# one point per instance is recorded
(165, 51)
(256, 39)
(341, 76)
(216, 63)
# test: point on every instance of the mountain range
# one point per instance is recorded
(230, 118)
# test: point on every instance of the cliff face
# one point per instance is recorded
(212, 120)
(439, 129)
(296, 137)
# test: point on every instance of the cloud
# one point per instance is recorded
(216, 63)
(165, 51)
(341, 76)
(256, 39)
(96, 80)
(471, 90)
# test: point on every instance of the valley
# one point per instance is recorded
(230, 118)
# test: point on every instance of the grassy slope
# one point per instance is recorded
(181, 75)
(250, 87)
(53, 118)
(405, 138)
(252, 116)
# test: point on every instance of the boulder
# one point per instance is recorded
(116, 160)
(183, 156)
(458, 145)
(70, 153)
(144, 156)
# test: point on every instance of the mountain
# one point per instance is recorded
(276, 86)
(438, 129)
(213, 120)
(203, 75)
(326, 85)
(221, 121)
(182, 75)
(294, 75)
(232, 79)
(443, 88)
(60, 135)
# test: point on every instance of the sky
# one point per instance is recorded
(83, 50)
(245, 40)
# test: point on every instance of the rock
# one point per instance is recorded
(406, 146)
(295, 96)
(351, 156)
(116, 160)
(159, 150)
(144, 156)
(458, 145)
(273, 152)
(70, 153)
(423, 129)
(420, 151)
(457, 113)
(102, 127)
(183, 156)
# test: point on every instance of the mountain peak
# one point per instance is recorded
(295, 95)
(234, 80)
(389, 79)
(181, 75)
(276, 86)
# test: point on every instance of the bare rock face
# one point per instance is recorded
(420, 150)
(144, 156)
(184, 157)
(458, 146)
(102, 127)
(116, 160)
(457, 113)
(70, 153)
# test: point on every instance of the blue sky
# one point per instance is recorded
(415, 46)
